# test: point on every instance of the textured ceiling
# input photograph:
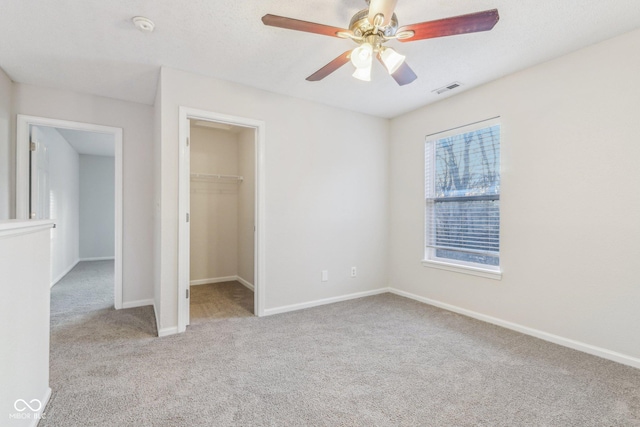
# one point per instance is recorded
(91, 46)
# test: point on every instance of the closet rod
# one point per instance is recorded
(213, 177)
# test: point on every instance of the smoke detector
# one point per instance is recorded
(143, 24)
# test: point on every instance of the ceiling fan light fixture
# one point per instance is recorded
(372, 27)
(362, 56)
(363, 73)
(391, 59)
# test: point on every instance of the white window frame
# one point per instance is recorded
(430, 259)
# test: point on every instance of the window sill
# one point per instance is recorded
(474, 271)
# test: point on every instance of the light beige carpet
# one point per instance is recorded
(219, 301)
(377, 361)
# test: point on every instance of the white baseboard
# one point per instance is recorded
(222, 279)
(294, 307)
(246, 283)
(213, 280)
(167, 331)
(57, 279)
(39, 414)
(138, 303)
(566, 342)
(98, 258)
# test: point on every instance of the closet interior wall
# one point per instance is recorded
(222, 208)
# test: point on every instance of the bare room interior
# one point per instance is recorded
(355, 212)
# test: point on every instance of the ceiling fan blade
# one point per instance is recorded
(330, 67)
(471, 23)
(385, 7)
(298, 25)
(404, 75)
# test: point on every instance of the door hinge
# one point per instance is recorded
(32, 146)
(187, 293)
(187, 141)
(187, 216)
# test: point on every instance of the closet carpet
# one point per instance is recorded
(220, 300)
(377, 361)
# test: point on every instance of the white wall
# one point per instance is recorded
(570, 204)
(326, 191)
(157, 212)
(6, 125)
(136, 120)
(63, 200)
(24, 315)
(246, 204)
(214, 205)
(97, 206)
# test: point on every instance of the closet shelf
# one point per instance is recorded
(216, 177)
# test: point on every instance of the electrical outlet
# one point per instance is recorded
(324, 276)
(354, 272)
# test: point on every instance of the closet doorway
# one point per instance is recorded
(218, 234)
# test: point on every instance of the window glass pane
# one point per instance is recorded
(468, 164)
(461, 256)
(463, 196)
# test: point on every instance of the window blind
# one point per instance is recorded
(463, 196)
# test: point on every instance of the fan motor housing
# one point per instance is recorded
(361, 27)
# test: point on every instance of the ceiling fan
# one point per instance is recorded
(372, 27)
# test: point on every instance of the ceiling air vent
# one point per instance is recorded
(447, 88)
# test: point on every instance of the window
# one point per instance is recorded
(462, 188)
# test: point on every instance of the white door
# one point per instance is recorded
(39, 167)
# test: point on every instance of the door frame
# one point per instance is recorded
(184, 184)
(22, 179)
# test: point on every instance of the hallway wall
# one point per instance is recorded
(97, 207)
